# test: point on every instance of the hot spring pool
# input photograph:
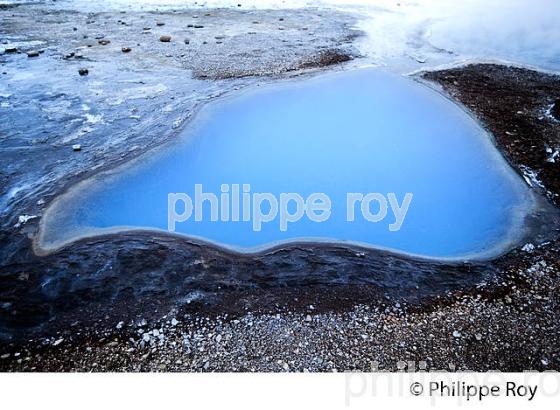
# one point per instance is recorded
(361, 131)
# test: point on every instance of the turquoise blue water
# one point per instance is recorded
(359, 131)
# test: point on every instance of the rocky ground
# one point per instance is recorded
(141, 304)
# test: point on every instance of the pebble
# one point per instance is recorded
(165, 39)
(104, 42)
(528, 247)
(126, 49)
(57, 342)
(478, 337)
(83, 71)
(33, 53)
(160, 23)
(456, 334)
(77, 147)
(187, 41)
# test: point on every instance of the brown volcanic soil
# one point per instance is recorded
(516, 106)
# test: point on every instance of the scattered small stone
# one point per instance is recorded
(120, 325)
(308, 318)
(11, 50)
(478, 337)
(33, 53)
(5, 356)
(104, 42)
(160, 23)
(77, 147)
(174, 322)
(57, 342)
(83, 71)
(198, 26)
(165, 39)
(69, 55)
(126, 49)
(456, 334)
(187, 41)
(528, 247)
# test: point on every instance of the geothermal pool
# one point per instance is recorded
(355, 132)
